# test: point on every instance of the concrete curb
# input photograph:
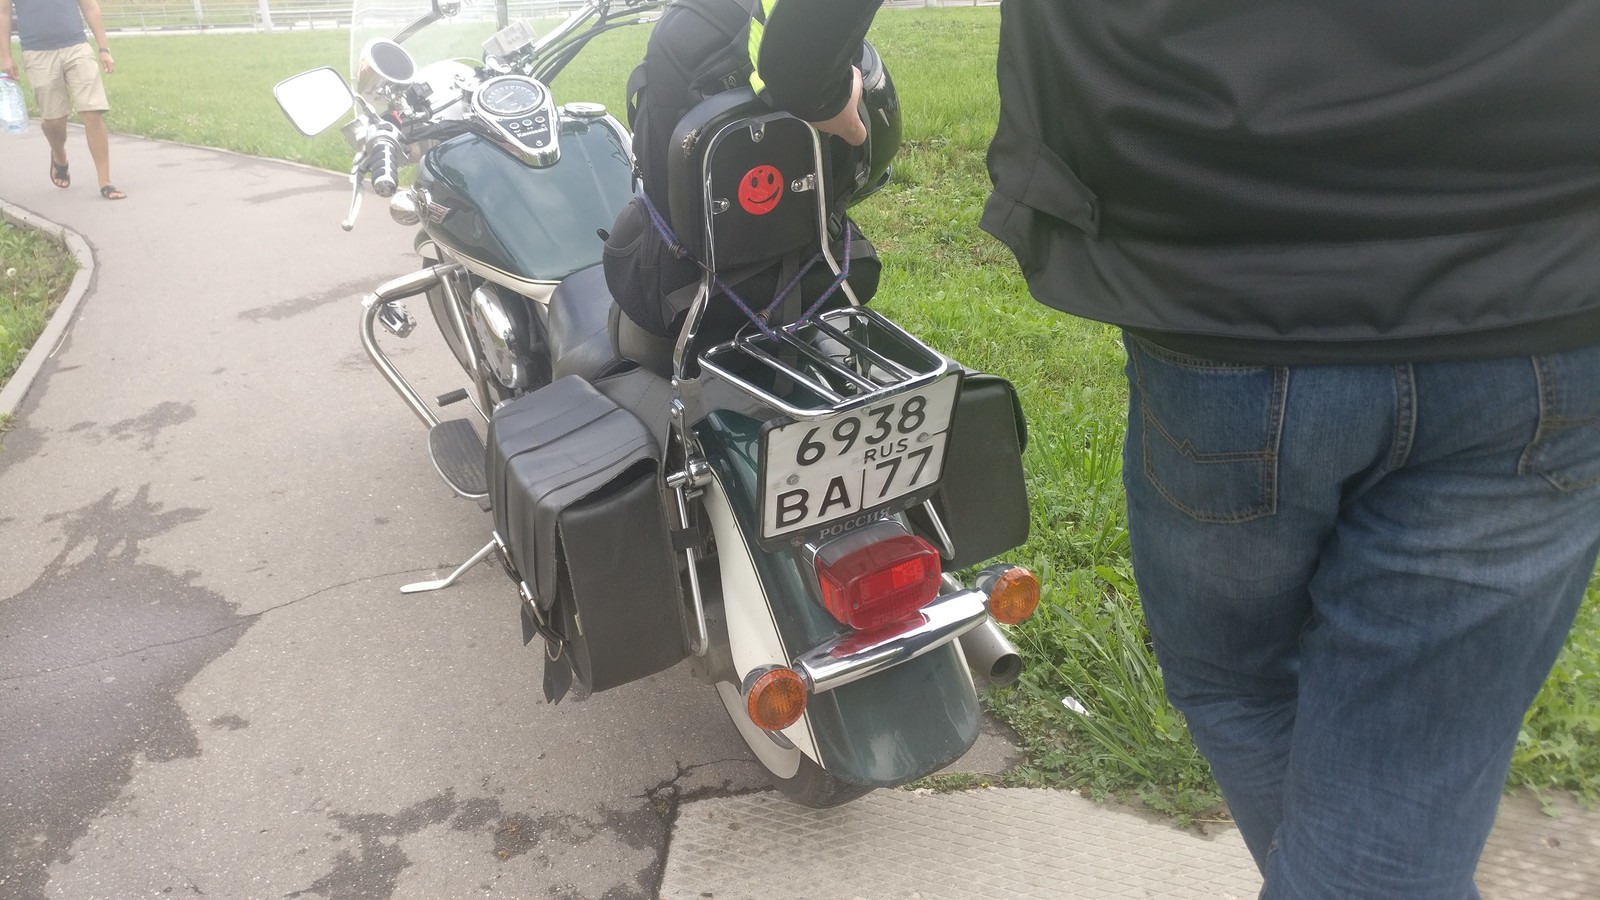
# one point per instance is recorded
(55, 332)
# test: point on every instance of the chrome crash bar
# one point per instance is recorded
(383, 306)
(838, 662)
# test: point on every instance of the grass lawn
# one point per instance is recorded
(35, 270)
(957, 288)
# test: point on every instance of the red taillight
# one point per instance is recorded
(878, 576)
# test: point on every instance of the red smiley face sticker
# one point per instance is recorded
(760, 190)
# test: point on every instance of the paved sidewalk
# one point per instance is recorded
(1024, 843)
(167, 347)
(996, 844)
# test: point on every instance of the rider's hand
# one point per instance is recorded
(847, 124)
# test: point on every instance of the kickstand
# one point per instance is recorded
(453, 577)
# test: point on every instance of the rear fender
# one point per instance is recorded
(894, 727)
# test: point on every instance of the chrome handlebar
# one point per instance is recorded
(380, 162)
(380, 145)
(379, 149)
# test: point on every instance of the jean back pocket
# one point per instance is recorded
(1565, 451)
(1210, 431)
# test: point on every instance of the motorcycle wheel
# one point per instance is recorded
(794, 775)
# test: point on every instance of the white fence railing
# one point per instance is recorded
(225, 14)
(276, 15)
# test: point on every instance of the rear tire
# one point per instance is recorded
(795, 775)
(814, 787)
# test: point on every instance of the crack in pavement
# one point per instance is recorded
(245, 621)
(667, 798)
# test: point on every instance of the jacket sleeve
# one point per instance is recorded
(804, 50)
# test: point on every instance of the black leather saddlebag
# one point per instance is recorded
(573, 479)
(982, 498)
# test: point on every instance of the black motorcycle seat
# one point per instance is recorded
(650, 352)
(580, 327)
(589, 336)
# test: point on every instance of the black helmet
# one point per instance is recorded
(881, 106)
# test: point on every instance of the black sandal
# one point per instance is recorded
(59, 176)
(110, 192)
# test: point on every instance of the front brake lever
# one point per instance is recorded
(349, 222)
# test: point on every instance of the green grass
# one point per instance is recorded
(154, 90)
(958, 289)
(35, 270)
(1559, 747)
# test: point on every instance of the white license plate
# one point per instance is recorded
(820, 470)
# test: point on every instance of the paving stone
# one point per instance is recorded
(1025, 843)
(971, 845)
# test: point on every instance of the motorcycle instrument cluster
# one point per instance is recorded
(523, 114)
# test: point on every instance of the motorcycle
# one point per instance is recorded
(783, 497)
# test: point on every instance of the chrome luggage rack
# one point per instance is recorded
(832, 363)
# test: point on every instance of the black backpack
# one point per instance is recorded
(699, 48)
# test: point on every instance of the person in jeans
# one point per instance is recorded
(1354, 248)
(64, 70)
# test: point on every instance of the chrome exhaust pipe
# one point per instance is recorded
(991, 656)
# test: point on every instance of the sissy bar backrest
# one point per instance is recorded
(747, 184)
(744, 190)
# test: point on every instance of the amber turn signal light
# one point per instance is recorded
(775, 698)
(1013, 593)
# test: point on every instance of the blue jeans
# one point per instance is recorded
(1357, 578)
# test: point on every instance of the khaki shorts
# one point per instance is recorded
(66, 79)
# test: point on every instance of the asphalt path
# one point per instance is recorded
(209, 681)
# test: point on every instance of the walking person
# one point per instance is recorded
(64, 69)
(1354, 248)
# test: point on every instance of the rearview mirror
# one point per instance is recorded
(314, 100)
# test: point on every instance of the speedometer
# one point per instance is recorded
(510, 97)
(515, 112)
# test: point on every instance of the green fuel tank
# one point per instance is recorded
(520, 224)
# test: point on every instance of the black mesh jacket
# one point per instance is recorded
(1299, 181)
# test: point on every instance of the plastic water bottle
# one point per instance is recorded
(13, 108)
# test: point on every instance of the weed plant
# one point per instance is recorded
(952, 285)
(35, 270)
